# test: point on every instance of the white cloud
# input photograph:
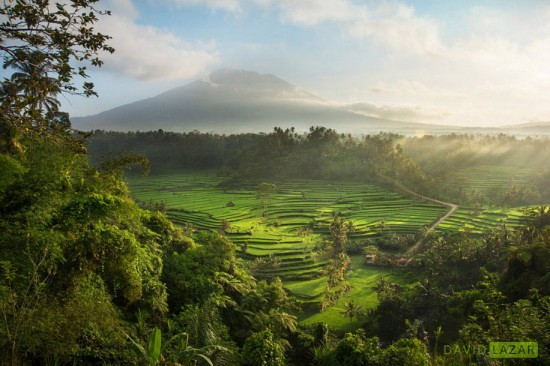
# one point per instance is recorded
(149, 53)
(398, 28)
(314, 12)
(227, 5)
(123, 8)
(406, 113)
(392, 25)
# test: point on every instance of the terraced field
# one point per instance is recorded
(466, 219)
(488, 179)
(361, 279)
(298, 216)
(297, 219)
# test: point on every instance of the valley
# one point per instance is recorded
(287, 241)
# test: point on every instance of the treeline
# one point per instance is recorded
(455, 151)
(442, 156)
(427, 165)
(320, 153)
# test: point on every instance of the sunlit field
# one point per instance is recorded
(296, 222)
(362, 279)
(298, 214)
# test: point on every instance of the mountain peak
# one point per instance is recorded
(229, 100)
(248, 79)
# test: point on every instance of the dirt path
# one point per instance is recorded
(452, 209)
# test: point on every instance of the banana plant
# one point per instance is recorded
(153, 353)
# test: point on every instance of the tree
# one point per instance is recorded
(264, 194)
(32, 81)
(176, 348)
(43, 42)
(339, 235)
(355, 350)
(351, 310)
(262, 349)
(406, 352)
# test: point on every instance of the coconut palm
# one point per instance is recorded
(351, 311)
(36, 87)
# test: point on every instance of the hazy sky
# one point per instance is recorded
(463, 62)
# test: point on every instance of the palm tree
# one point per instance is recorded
(351, 311)
(535, 219)
(37, 88)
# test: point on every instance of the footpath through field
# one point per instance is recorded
(452, 210)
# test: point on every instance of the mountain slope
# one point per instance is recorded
(236, 101)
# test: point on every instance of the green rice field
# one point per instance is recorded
(297, 219)
(362, 279)
(298, 215)
(487, 179)
(468, 220)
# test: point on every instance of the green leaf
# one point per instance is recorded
(154, 345)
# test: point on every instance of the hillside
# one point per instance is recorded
(231, 101)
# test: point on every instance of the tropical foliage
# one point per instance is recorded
(89, 277)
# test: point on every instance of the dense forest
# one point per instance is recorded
(426, 164)
(87, 277)
(281, 154)
(442, 156)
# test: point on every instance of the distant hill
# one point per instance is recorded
(233, 101)
(532, 128)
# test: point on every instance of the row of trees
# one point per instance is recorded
(442, 156)
(319, 154)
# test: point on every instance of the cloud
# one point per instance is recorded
(403, 113)
(394, 26)
(390, 25)
(227, 5)
(398, 28)
(314, 12)
(123, 8)
(149, 53)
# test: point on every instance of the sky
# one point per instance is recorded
(453, 62)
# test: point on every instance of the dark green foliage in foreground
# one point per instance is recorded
(261, 349)
(76, 253)
(83, 270)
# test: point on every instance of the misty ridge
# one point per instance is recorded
(234, 101)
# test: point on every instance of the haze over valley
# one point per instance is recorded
(233, 101)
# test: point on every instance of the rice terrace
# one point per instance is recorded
(285, 237)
